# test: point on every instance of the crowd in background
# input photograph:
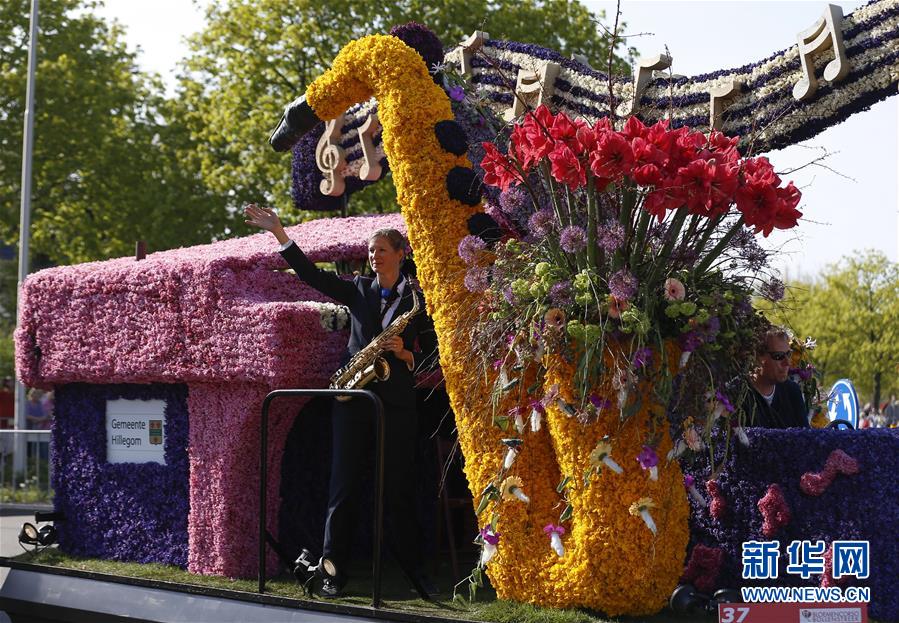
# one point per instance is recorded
(885, 417)
(38, 408)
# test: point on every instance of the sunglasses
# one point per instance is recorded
(779, 355)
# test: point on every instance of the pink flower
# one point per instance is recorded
(693, 439)
(498, 169)
(674, 290)
(612, 158)
(566, 168)
(775, 511)
(718, 505)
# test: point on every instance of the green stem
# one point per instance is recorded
(544, 168)
(673, 233)
(643, 225)
(707, 233)
(718, 248)
(591, 223)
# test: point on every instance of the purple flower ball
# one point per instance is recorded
(623, 285)
(774, 290)
(476, 279)
(560, 294)
(515, 203)
(573, 239)
(470, 247)
(541, 223)
(610, 236)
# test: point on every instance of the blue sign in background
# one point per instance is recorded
(842, 404)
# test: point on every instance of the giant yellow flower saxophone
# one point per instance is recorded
(612, 562)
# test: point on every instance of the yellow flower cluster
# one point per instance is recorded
(612, 563)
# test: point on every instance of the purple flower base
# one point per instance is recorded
(863, 506)
(122, 511)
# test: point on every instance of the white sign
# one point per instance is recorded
(135, 431)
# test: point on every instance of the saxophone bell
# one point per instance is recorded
(378, 370)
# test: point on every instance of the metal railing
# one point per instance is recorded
(25, 479)
(378, 511)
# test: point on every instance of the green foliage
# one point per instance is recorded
(254, 58)
(852, 311)
(108, 167)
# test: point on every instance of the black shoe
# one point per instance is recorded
(331, 588)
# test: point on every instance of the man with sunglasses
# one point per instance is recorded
(776, 401)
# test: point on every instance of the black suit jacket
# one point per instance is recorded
(787, 409)
(362, 297)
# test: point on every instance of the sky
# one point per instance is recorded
(849, 206)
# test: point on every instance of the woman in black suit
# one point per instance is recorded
(373, 303)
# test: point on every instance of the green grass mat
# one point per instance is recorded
(396, 593)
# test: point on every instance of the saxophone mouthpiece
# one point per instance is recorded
(297, 120)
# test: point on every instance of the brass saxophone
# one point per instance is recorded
(368, 364)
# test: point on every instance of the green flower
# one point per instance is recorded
(576, 330)
(592, 333)
(582, 280)
(521, 288)
(687, 308)
(542, 269)
(634, 321)
(673, 310)
(513, 246)
(537, 290)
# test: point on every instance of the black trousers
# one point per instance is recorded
(353, 436)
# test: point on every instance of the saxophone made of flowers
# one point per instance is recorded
(612, 561)
(368, 364)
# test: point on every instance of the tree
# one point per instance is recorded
(853, 312)
(108, 167)
(255, 57)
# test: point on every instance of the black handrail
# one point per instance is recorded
(378, 513)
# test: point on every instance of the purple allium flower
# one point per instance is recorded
(457, 93)
(560, 294)
(610, 236)
(623, 285)
(476, 279)
(573, 239)
(742, 239)
(773, 290)
(510, 297)
(470, 247)
(642, 357)
(754, 256)
(648, 457)
(515, 203)
(541, 223)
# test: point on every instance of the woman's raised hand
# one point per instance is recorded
(262, 217)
